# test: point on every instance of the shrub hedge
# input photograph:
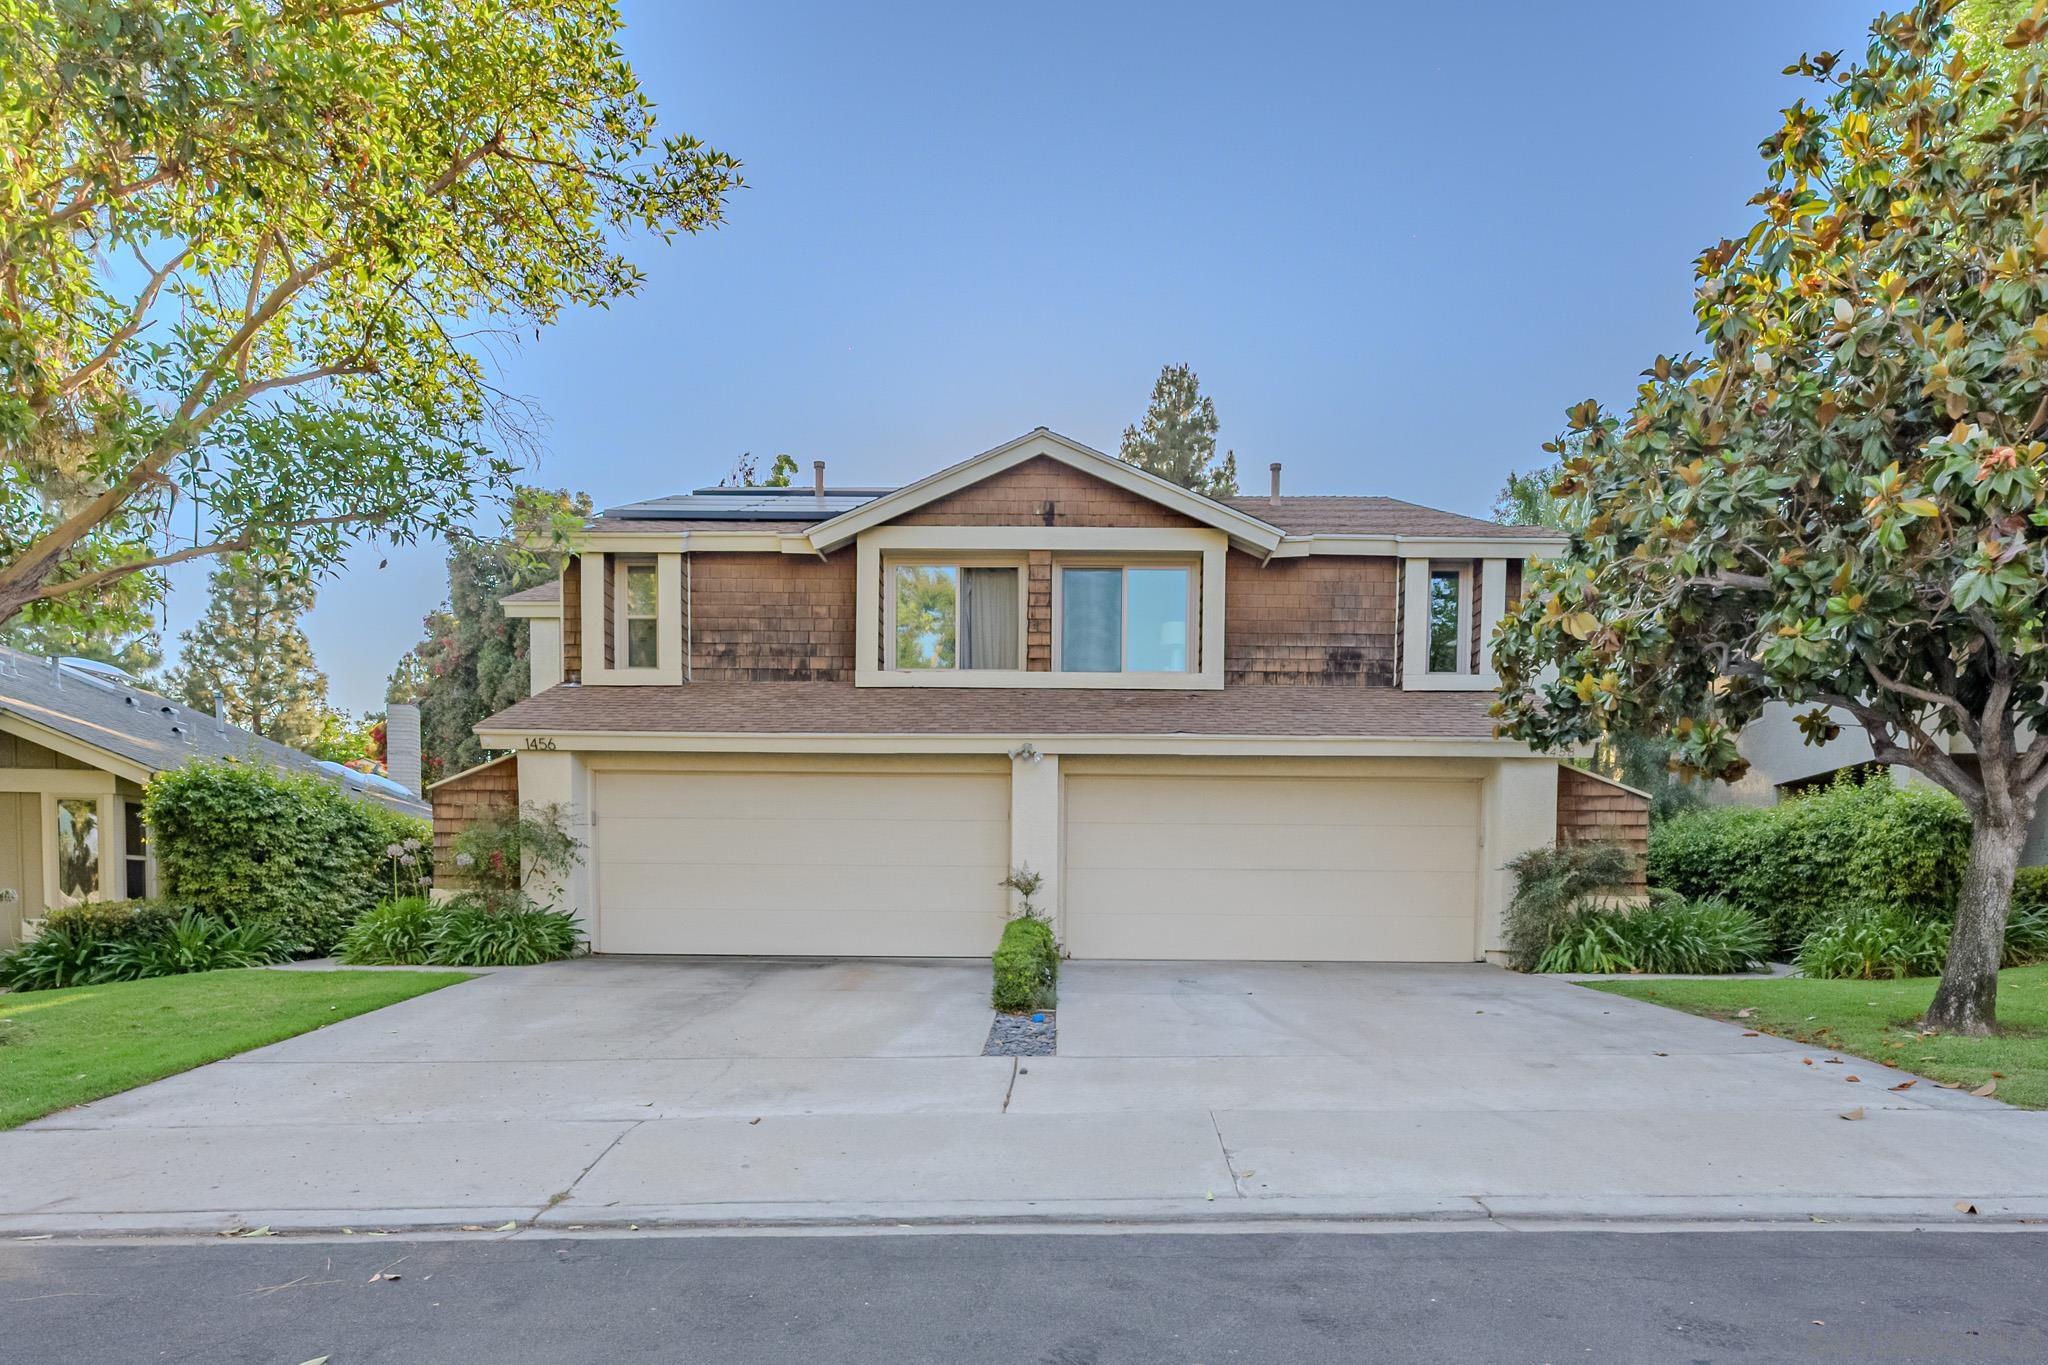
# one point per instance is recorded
(1027, 966)
(1813, 858)
(244, 842)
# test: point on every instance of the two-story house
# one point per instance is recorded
(830, 721)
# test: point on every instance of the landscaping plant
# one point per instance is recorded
(99, 942)
(1842, 504)
(1552, 882)
(470, 933)
(1797, 862)
(1667, 935)
(397, 933)
(1027, 966)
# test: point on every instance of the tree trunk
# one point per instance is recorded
(1967, 1001)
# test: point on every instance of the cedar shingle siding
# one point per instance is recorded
(1328, 619)
(771, 618)
(1593, 810)
(1043, 492)
(460, 802)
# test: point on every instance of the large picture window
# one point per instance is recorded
(1125, 618)
(957, 616)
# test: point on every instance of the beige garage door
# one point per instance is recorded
(1293, 868)
(883, 864)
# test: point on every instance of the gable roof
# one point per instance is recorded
(140, 732)
(1245, 529)
(1328, 515)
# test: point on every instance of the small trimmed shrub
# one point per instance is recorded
(1693, 938)
(1875, 944)
(501, 853)
(397, 933)
(1550, 884)
(1027, 966)
(243, 842)
(1802, 862)
(468, 933)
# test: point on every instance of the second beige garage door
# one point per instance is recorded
(888, 863)
(1338, 869)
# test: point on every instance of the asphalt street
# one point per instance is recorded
(1047, 1299)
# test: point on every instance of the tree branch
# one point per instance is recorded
(99, 577)
(143, 303)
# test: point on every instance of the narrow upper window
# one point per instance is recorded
(1124, 619)
(78, 849)
(643, 616)
(1446, 618)
(949, 616)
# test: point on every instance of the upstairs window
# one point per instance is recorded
(1446, 619)
(1125, 618)
(643, 616)
(957, 616)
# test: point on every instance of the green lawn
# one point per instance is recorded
(1875, 1019)
(60, 1048)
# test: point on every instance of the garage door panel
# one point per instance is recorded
(823, 843)
(1202, 937)
(1286, 801)
(804, 933)
(1209, 866)
(820, 797)
(1425, 848)
(839, 862)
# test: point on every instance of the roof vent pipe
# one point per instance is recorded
(1274, 496)
(818, 482)
(220, 714)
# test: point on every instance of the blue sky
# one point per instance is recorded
(1394, 241)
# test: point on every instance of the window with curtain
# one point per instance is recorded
(1125, 619)
(949, 616)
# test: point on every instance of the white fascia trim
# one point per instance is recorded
(1415, 547)
(1248, 531)
(531, 611)
(1313, 746)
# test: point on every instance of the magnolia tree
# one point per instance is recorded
(1839, 505)
(254, 257)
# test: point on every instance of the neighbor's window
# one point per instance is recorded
(643, 616)
(134, 851)
(1125, 619)
(78, 848)
(1446, 616)
(949, 616)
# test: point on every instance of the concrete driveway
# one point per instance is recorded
(619, 1090)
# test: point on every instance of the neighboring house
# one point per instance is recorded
(77, 742)
(1782, 762)
(830, 721)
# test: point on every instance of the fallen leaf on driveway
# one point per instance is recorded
(317, 1360)
(1985, 1089)
(1807, 1060)
(1833, 1061)
(1855, 1113)
(507, 1227)
(1949, 1085)
(1906, 1085)
(1851, 1080)
(263, 1231)
(380, 1275)
(1752, 1034)
(1965, 1206)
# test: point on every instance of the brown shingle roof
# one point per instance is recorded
(837, 708)
(539, 592)
(1371, 516)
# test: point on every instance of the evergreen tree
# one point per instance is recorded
(474, 659)
(1178, 440)
(250, 651)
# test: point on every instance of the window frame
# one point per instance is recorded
(887, 645)
(106, 810)
(1191, 622)
(623, 615)
(1462, 627)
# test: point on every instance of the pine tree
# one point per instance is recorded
(474, 659)
(1178, 441)
(249, 650)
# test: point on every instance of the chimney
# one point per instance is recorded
(220, 714)
(402, 745)
(818, 481)
(1274, 496)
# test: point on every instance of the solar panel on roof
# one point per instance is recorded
(748, 504)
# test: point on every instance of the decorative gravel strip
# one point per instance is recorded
(1023, 1035)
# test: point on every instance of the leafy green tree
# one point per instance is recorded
(249, 650)
(1841, 503)
(252, 256)
(746, 472)
(1525, 499)
(1178, 439)
(474, 660)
